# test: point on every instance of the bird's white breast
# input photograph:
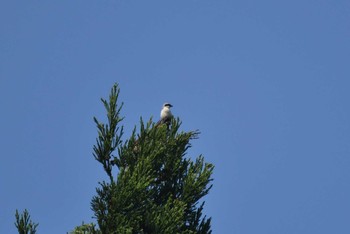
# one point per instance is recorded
(165, 113)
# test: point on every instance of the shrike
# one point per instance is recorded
(165, 114)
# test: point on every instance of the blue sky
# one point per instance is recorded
(266, 82)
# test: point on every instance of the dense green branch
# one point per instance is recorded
(109, 134)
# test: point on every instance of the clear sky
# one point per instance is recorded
(266, 82)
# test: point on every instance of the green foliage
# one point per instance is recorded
(24, 224)
(86, 229)
(158, 189)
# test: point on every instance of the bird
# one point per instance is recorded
(165, 114)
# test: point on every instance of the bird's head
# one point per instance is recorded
(167, 105)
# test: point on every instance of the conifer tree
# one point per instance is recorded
(155, 189)
(153, 186)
